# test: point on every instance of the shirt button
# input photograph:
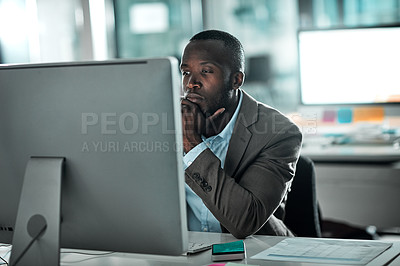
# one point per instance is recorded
(189, 163)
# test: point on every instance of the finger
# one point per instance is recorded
(187, 102)
(188, 106)
(217, 113)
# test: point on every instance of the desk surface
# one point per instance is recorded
(358, 153)
(254, 245)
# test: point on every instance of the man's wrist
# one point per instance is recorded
(190, 156)
(189, 146)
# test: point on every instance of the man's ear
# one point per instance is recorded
(238, 79)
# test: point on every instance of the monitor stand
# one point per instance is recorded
(36, 239)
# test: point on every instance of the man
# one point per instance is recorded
(239, 154)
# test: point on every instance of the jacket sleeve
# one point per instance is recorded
(245, 203)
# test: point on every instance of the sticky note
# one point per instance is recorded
(329, 116)
(374, 113)
(238, 264)
(236, 246)
(345, 115)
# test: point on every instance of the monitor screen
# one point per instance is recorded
(350, 66)
(117, 124)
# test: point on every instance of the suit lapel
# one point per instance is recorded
(241, 135)
(240, 138)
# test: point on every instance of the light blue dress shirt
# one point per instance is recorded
(199, 217)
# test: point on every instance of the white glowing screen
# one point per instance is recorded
(350, 65)
(149, 17)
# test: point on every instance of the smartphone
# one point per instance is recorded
(228, 251)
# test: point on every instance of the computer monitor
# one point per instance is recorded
(350, 65)
(117, 125)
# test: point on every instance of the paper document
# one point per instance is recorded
(334, 251)
(5, 252)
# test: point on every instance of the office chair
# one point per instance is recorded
(301, 210)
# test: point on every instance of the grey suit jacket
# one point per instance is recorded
(247, 196)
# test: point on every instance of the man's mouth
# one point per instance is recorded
(193, 97)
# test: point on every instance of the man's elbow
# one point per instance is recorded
(243, 232)
(240, 234)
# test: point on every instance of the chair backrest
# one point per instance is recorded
(301, 210)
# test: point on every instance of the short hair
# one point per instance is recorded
(230, 41)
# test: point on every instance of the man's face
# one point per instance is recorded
(206, 75)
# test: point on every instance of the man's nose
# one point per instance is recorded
(193, 83)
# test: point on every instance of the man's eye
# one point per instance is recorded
(185, 73)
(207, 71)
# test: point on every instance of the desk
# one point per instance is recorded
(254, 245)
(359, 184)
(352, 153)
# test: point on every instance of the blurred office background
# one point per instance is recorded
(60, 30)
(362, 193)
